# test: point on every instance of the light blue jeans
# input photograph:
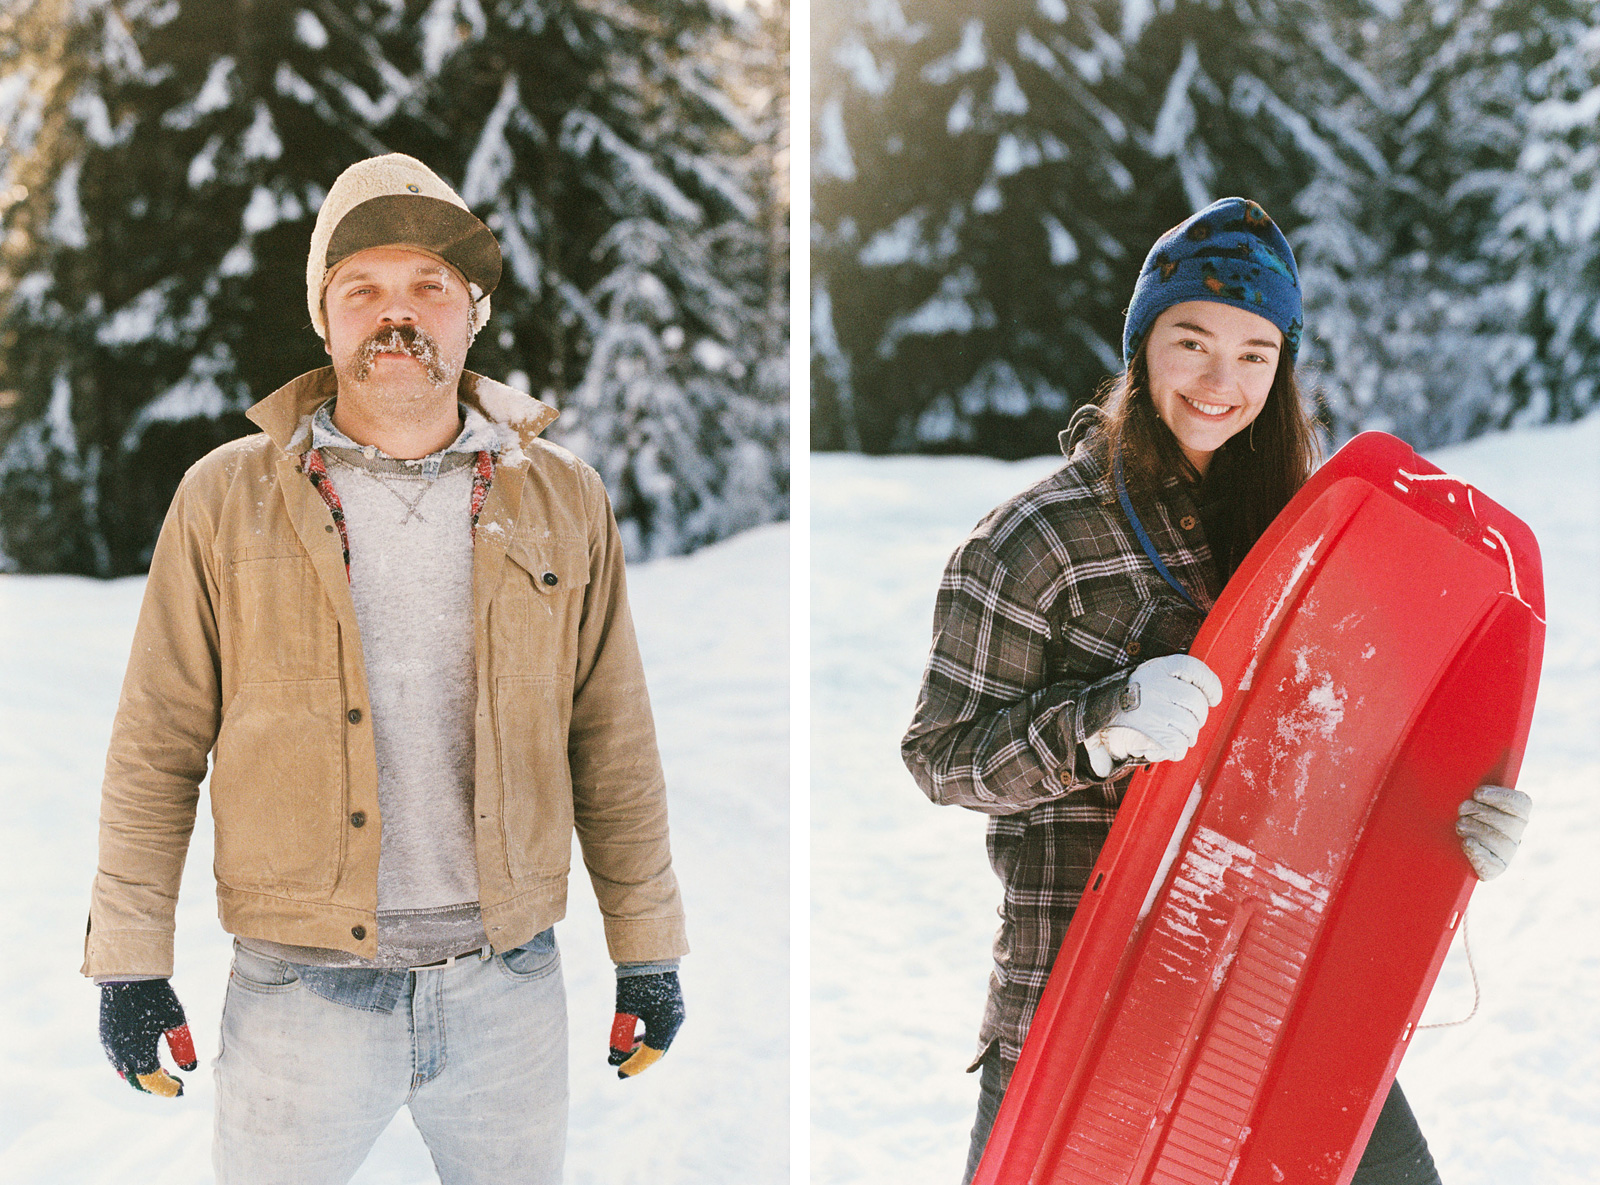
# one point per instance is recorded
(308, 1077)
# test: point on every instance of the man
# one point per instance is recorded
(397, 622)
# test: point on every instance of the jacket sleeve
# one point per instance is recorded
(618, 790)
(991, 730)
(165, 726)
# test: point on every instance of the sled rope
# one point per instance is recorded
(1505, 548)
(1443, 477)
(1510, 563)
(1477, 995)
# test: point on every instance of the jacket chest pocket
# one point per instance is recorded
(281, 623)
(534, 618)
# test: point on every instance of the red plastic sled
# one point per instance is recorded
(1268, 915)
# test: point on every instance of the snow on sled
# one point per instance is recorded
(1268, 915)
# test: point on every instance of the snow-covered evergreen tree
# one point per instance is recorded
(925, 116)
(988, 179)
(1409, 323)
(1452, 288)
(1546, 239)
(620, 173)
(155, 272)
(152, 285)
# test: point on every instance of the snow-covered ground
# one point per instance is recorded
(714, 628)
(903, 899)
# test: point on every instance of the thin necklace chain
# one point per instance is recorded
(411, 504)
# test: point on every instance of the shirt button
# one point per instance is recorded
(1187, 522)
(1132, 649)
(1064, 777)
(353, 715)
(358, 932)
(551, 579)
(358, 818)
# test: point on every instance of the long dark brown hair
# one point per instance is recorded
(1251, 477)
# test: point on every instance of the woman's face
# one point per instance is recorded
(1210, 367)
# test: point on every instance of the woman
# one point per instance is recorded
(1061, 625)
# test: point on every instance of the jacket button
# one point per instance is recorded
(1133, 648)
(1064, 777)
(551, 579)
(1187, 522)
(353, 715)
(358, 932)
(358, 818)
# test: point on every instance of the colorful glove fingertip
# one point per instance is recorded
(134, 1017)
(655, 999)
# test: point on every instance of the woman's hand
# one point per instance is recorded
(1490, 827)
(1165, 703)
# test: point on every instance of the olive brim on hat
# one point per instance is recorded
(414, 220)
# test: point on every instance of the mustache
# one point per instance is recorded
(402, 339)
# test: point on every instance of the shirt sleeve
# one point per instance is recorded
(992, 731)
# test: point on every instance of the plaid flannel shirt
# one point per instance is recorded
(1042, 613)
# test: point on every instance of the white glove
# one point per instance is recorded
(1490, 827)
(1164, 705)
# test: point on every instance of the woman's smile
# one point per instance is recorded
(1212, 411)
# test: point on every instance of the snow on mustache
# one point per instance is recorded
(402, 339)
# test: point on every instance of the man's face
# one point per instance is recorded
(398, 325)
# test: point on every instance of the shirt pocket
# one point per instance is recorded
(1106, 637)
(1170, 624)
(1122, 628)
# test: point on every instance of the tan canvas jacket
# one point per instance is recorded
(247, 650)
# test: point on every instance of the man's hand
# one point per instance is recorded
(133, 1018)
(655, 999)
(1165, 703)
(1490, 827)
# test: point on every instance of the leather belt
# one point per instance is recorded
(481, 952)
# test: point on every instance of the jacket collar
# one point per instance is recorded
(285, 415)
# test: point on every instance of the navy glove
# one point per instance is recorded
(133, 1019)
(655, 999)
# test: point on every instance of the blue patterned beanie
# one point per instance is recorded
(1232, 253)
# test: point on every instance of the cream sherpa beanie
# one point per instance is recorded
(397, 201)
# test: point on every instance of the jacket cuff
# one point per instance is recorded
(1092, 711)
(127, 954)
(645, 940)
(1050, 731)
(1100, 704)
